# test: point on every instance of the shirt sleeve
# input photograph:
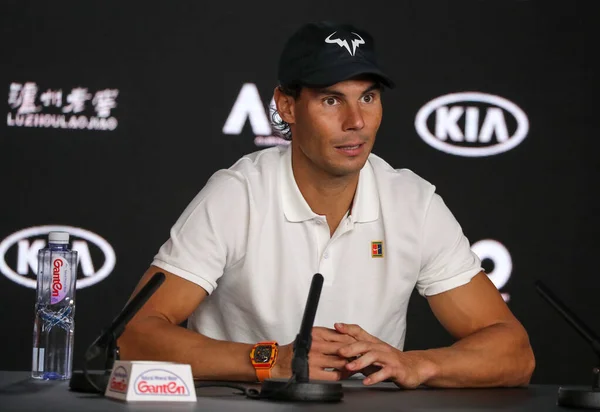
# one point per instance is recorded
(447, 258)
(210, 234)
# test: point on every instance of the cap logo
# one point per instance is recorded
(344, 43)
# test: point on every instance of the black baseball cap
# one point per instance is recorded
(325, 53)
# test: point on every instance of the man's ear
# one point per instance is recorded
(285, 106)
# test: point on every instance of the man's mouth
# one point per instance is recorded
(351, 149)
(350, 146)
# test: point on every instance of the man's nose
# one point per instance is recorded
(353, 119)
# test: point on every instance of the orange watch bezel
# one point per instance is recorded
(263, 369)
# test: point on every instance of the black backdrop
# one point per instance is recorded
(122, 158)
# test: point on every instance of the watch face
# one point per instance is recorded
(262, 354)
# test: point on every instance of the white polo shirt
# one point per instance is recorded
(252, 242)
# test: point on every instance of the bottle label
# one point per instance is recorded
(60, 279)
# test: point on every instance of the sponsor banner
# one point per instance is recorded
(30, 106)
(248, 106)
(19, 255)
(472, 124)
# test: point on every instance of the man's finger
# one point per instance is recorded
(320, 361)
(355, 349)
(356, 332)
(330, 335)
(327, 348)
(369, 358)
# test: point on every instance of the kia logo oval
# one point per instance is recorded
(21, 248)
(472, 124)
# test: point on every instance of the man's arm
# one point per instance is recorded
(493, 348)
(154, 334)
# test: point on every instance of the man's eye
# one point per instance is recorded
(368, 98)
(330, 101)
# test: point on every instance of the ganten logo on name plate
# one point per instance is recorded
(377, 249)
(160, 382)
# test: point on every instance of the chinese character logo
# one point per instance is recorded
(22, 97)
(49, 110)
(76, 100)
(105, 100)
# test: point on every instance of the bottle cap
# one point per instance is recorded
(58, 237)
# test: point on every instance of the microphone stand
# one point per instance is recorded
(576, 397)
(299, 387)
(106, 343)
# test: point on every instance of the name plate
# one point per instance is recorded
(147, 381)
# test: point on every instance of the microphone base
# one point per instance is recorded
(312, 391)
(79, 383)
(579, 398)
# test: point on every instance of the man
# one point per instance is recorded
(241, 257)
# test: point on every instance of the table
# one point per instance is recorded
(20, 393)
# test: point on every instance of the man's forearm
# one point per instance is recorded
(154, 338)
(499, 355)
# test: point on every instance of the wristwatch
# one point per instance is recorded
(263, 356)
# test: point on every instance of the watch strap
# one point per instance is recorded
(263, 370)
(263, 374)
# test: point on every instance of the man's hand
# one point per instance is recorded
(380, 361)
(323, 355)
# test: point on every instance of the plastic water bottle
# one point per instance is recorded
(54, 309)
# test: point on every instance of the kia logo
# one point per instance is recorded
(21, 248)
(472, 124)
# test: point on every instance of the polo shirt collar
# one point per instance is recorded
(366, 201)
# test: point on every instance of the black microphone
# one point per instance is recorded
(303, 340)
(576, 397)
(299, 387)
(94, 382)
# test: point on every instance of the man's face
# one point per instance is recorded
(334, 128)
